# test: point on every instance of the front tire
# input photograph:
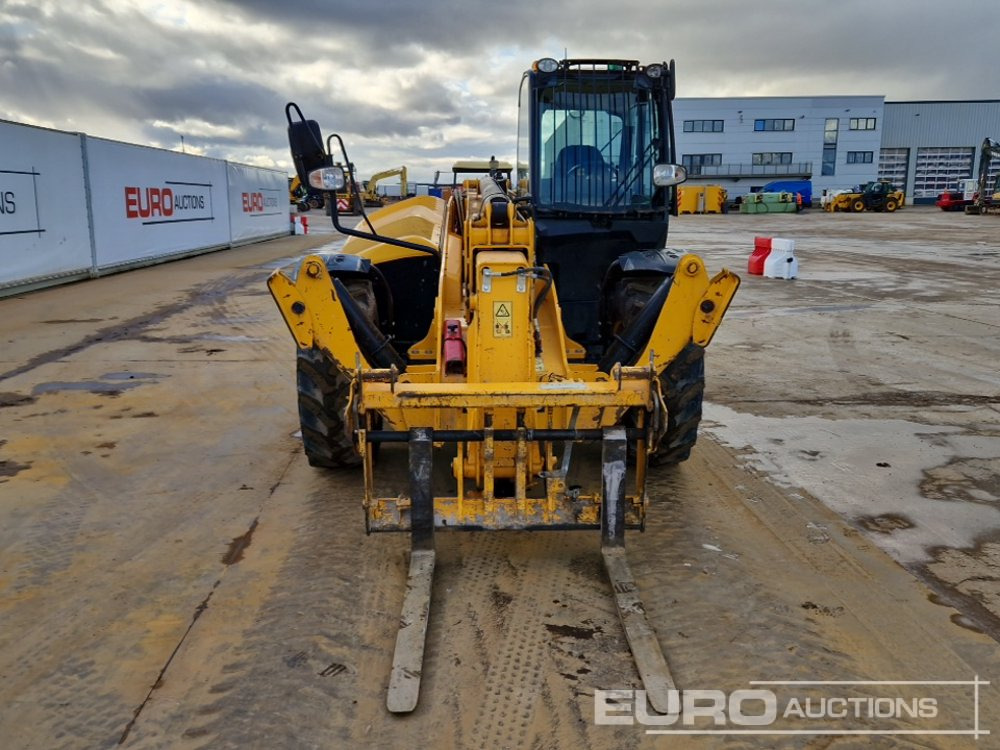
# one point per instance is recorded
(324, 392)
(683, 386)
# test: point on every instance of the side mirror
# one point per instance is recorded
(666, 175)
(306, 143)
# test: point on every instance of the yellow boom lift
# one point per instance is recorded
(494, 333)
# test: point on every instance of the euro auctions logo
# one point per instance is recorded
(804, 707)
(172, 202)
(260, 202)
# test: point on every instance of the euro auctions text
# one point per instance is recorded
(868, 707)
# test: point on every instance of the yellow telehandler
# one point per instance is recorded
(494, 333)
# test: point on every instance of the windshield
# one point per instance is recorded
(597, 144)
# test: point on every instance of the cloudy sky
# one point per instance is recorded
(426, 82)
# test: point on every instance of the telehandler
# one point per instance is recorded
(493, 333)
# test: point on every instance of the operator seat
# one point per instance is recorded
(580, 175)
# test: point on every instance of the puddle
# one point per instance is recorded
(231, 339)
(238, 546)
(130, 376)
(875, 473)
(111, 383)
(15, 399)
(12, 468)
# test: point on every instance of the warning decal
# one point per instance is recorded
(501, 320)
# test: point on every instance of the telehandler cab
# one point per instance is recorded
(494, 332)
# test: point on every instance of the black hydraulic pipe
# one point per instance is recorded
(371, 341)
(625, 348)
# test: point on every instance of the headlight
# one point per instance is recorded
(546, 65)
(654, 71)
(327, 178)
(669, 174)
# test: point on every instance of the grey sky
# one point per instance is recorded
(426, 83)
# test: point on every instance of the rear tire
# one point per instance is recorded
(858, 206)
(323, 396)
(683, 385)
(890, 205)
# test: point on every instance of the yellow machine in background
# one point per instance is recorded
(872, 196)
(468, 331)
(369, 192)
(703, 199)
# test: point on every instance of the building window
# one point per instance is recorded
(862, 123)
(694, 162)
(860, 157)
(830, 130)
(763, 125)
(703, 126)
(769, 158)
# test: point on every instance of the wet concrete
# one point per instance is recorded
(882, 398)
(174, 574)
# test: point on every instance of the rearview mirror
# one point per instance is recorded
(306, 144)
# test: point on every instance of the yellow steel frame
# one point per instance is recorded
(520, 372)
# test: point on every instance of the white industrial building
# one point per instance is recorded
(837, 142)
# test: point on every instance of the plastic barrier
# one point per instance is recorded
(761, 249)
(300, 224)
(781, 263)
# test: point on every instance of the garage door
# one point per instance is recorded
(940, 169)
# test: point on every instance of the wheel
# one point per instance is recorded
(890, 205)
(683, 385)
(858, 206)
(323, 396)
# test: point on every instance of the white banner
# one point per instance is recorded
(258, 203)
(43, 206)
(149, 203)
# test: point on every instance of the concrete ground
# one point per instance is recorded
(174, 574)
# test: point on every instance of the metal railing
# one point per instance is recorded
(802, 169)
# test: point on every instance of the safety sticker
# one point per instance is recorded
(501, 320)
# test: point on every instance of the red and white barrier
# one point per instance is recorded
(300, 224)
(774, 258)
(781, 263)
(761, 249)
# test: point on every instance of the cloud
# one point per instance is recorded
(423, 84)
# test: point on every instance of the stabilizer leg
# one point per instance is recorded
(408, 658)
(641, 637)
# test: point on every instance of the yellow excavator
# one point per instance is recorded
(369, 193)
(526, 353)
